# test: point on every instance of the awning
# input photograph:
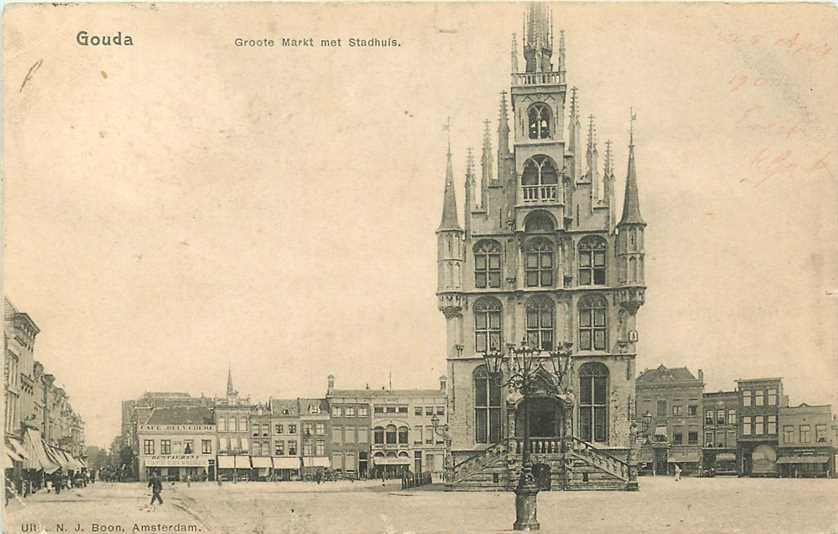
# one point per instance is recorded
(286, 463)
(392, 461)
(6, 460)
(316, 461)
(38, 454)
(16, 446)
(802, 459)
(261, 462)
(226, 462)
(686, 457)
(726, 457)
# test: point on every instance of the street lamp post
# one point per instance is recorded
(442, 431)
(524, 366)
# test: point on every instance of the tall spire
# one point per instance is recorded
(503, 128)
(631, 202)
(230, 390)
(469, 191)
(562, 65)
(486, 161)
(574, 135)
(450, 220)
(538, 44)
(514, 53)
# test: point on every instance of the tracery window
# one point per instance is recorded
(487, 264)
(540, 323)
(539, 263)
(593, 326)
(487, 403)
(593, 402)
(592, 250)
(487, 325)
(539, 179)
(540, 119)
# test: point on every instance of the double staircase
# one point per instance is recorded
(582, 466)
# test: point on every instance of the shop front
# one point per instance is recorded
(391, 465)
(720, 461)
(286, 468)
(262, 467)
(688, 460)
(234, 467)
(177, 467)
(805, 463)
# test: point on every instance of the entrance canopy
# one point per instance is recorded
(803, 460)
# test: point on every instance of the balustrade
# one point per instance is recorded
(538, 78)
(540, 193)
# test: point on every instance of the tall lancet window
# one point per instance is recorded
(487, 325)
(487, 404)
(487, 264)
(593, 325)
(593, 402)
(539, 263)
(539, 119)
(592, 251)
(540, 322)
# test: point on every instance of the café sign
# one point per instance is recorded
(176, 460)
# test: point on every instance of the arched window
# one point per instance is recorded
(487, 264)
(378, 435)
(540, 117)
(593, 402)
(539, 179)
(540, 323)
(592, 260)
(403, 434)
(391, 434)
(486, 407)
(593, 326)
(487, 325)
(539, 263)
(539, 222)
(632, 269)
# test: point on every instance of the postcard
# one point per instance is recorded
(420, 268)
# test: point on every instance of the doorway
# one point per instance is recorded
(545, 416)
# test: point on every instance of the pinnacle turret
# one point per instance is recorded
(631, 201)
(450, 220)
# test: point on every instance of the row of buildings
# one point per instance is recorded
(751, 430)
(360, 432)
(43, 434)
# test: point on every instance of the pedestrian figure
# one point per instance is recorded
(56, 482)
(318, 476)
(188, 481)
(677, 473)
(156, 487)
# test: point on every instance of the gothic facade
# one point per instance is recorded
(541, 255)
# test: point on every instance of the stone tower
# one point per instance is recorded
(541, 257)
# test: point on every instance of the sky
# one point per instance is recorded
(184, 205)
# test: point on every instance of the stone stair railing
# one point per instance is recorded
(479, 461)
(599, 459)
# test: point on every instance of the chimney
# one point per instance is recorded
(701, 375)
(330, 384)
(443, 383)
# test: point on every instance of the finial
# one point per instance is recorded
(514, 53)
(608, 166)
(485, 132)
(573, 101)
(591, 130)
(632, 118)
(470, 162)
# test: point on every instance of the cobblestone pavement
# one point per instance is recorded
(704, 506)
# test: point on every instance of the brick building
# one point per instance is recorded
(674, 400)
(757, 439)
(805, 441)
(720, 428)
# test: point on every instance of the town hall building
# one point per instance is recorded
(541, 255)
